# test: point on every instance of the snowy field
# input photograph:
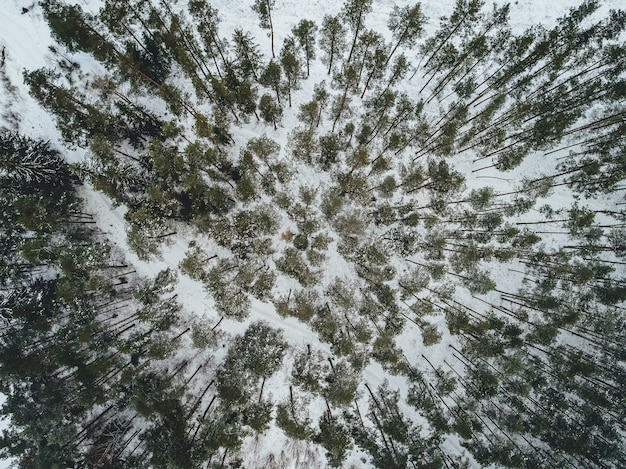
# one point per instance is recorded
(25, 42)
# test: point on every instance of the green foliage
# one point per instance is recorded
(256, 354)
(308, 370)
(293, 427)
(341, 384)
(149, 60)
(263, 8)
(305, 33)
(145, 232)
(270, 110)
(261, 349)
(30, 165)
(383, 181)
(228, 290)
(258, 416)
(334, 436)
(272, 78)
(291, 66)
(330, 146)
(202, 336)
(304, 145)
(77, 358)
(70, 27)
(387, 352)
(354, 12)
(292, 263)
(247, 53)
(332, 39)
(406, 24)
(300, 242)
(430, 334)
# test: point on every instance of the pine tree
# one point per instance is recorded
(291, 66)
(70, 27)
(347, 79)
(305, 33)
(208, 21)
(248, 57)
(272, 78)
(29, 164)
(332, 39)
(406, 25)
(373, 64)
(264, 8)
(334, 436)
(354, 13)
(271, 111)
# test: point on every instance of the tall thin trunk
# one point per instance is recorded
(269, 14)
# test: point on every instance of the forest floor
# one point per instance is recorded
(25, 39)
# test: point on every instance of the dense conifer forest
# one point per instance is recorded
(408, 235)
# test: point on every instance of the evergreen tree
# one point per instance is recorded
(272, 77)
(406, 25)
(70, 27)
(373, 65)
(30, 164)
(271, 111)
(332, 39)
(291, 66)
(305, 33)
(347, 79)
(208, 21)
(264, 8)
(248, 57)
(334, 436)
(354, 13)
(94, 368)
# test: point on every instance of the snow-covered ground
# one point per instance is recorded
(25, 40)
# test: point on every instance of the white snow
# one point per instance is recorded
(26, 40)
